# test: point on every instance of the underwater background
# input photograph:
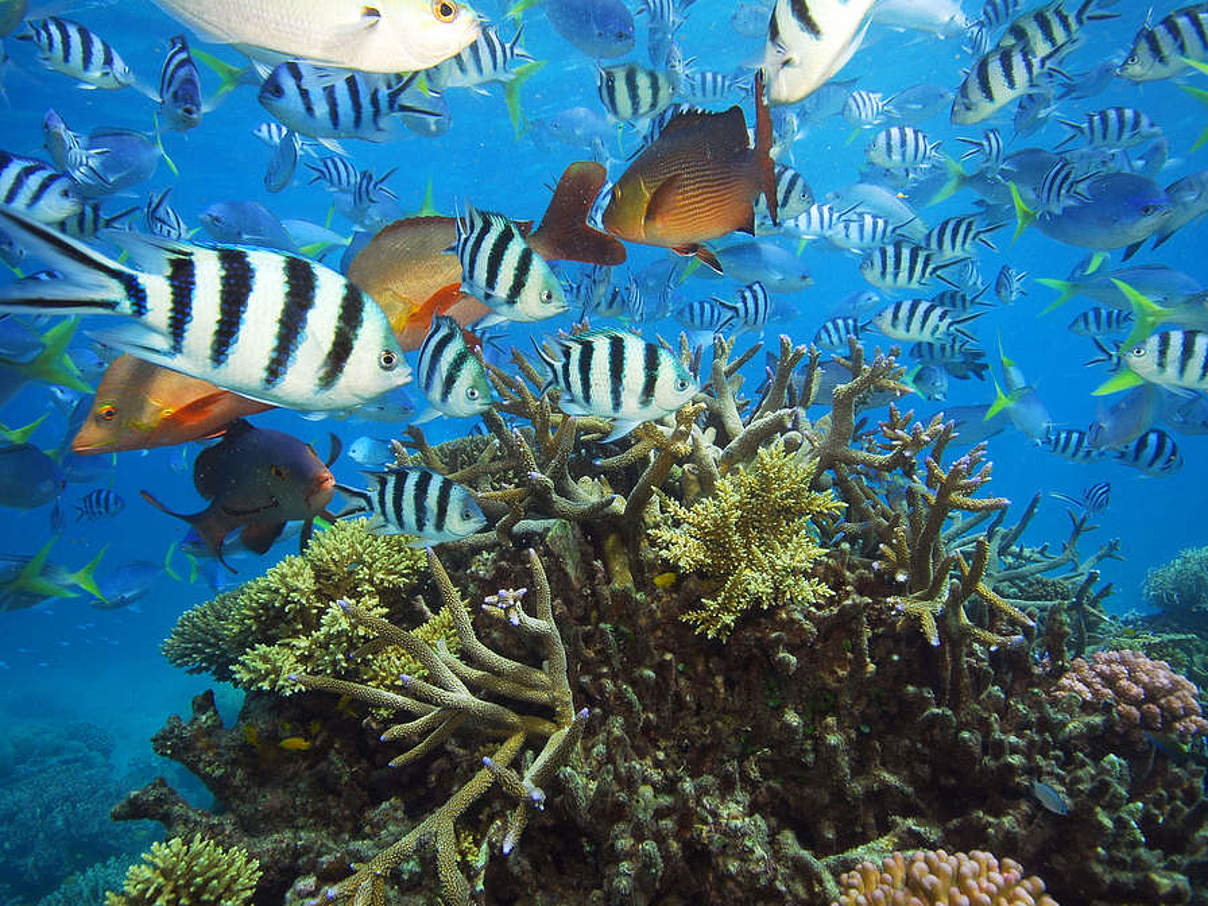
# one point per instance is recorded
(84, 686)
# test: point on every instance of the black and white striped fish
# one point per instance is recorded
(632, 92)
(410, 500)
(903, 265)
(488, 59)
(956, 237)
(867, 108)
(1008, 284)
(793, 195)
(70, 154)
(1155, 453)
(902, 148)
(267, 325)
(338, 174)
(749, 310)
(330, 104)
(1101, 322)
(162, 220)
(72, 49)
(957, 356)
(818, 221)
(920, 321)
(180, 88)
(1113, 127)
(1070, 443)
(451, 376)
(37, 189)
(1050, 30)
(1095, 499)
(702, 318)
(615, 374)
(861, 231)
(991, 149)
(834, 334)
(498, 266)
(1061, 187)
(90, 221)
(959, 301)
(710, 85)
(1176, 358)
(997, 79)
(1162, 51)
(100, 503)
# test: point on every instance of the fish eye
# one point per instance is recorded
(1137, 352)
(107, 413)
(681, 385)
(547, 295)
(467, 514)
(274, 90)
(444, 10)
(388, 359)
(472, 393)
(1149, 210)
(277, 472)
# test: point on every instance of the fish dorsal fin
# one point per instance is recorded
(564, 234)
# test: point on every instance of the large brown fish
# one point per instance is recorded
(140, 405)
(257, 480)
(410, 273)
(698, 180)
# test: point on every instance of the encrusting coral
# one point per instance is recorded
(1148, 696)
(939, 879)
(194, 873)
(754, 537)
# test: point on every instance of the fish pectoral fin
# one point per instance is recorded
(259, 536)
(662, 200)
(702, 254)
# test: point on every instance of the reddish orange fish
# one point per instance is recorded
(699, 180)
(408, 270)
(140, 405)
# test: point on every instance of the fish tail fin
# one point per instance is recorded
(159, 144)
(956, 180)
(210, 524)
(229, 76)
(511, 92)
(763, 148)
(1147, 314)
(1024, 216)
(84, 577)
(1002, 401)
(1066, 289)
(520, 8)
(89, 282)
(1095, 262)
(31, 579)
(564, 233)
(169, 554)
(53, 365)
(427, 208)
(1121, 380)
(22, 435)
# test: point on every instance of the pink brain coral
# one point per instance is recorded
(1147, 694)
(935, 878)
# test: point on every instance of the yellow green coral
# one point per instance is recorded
(288, 621)
(754, 538)
(197, 873)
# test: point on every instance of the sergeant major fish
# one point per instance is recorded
(409, 500)
(72, 49)
(450, 375)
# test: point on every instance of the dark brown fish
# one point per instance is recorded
(698, 180)
(257, 480)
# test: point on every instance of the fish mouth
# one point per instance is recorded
(321, 491)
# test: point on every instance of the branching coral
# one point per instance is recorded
(1148, 695)
(196, 873)
(1180, 589)
(936, 878)
(755, 538)
(463, 693)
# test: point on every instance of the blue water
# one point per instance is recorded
(64, 662)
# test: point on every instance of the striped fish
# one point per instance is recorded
(1161, 52)
(748, 310)
(1070, 443)
(956, 237)
(1101, 322)
(615, 374)
(409, 500)
(1094, 499)
(90, 221)
(902, 265)
(867, 108)
(920, 321)
(450, 375)
(997, 79)
(338, 174)
(1155, 453)
(283, 164)
(818, 221)
(631, 92)
(498, 266)
(902, 148)
(709, 85)
(959, 301)
(834, 334)
(488, 59)
(37, 190)
(70, 48)
(1049, 30)
(100, 503)
(990, 147)
(332, 104)
(1175, 358)
(162, 220)
(1113, 127)
(861, 231)
(1062, 187)
(957, 356)
(702, 317)
(1008, 284)
(808, 42)
(180, 88)
(270, 326)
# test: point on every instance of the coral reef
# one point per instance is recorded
(936, 878)
(911, 707)
(196, 873)
(1179, 591)
(1147, 695)
(89, 886)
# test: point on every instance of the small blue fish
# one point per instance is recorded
(1122, 209)
(1049, 798)
(599, 28)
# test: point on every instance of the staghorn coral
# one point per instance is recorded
(1148, 696)
(936, 878)
(754, 538)
(197, 873)
(1179, 589)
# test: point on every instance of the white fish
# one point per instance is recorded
(808, 42)
(374, 36)
(942, 18)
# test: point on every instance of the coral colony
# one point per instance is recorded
(740, 655)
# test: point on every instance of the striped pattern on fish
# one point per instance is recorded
(411, 500)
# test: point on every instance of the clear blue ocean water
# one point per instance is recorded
(64, 662)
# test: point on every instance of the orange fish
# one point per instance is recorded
(140, 405)
(699, 180)
(409, 271)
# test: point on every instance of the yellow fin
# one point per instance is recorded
(1147, 314)
(1024, 216)
(1123, 380)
